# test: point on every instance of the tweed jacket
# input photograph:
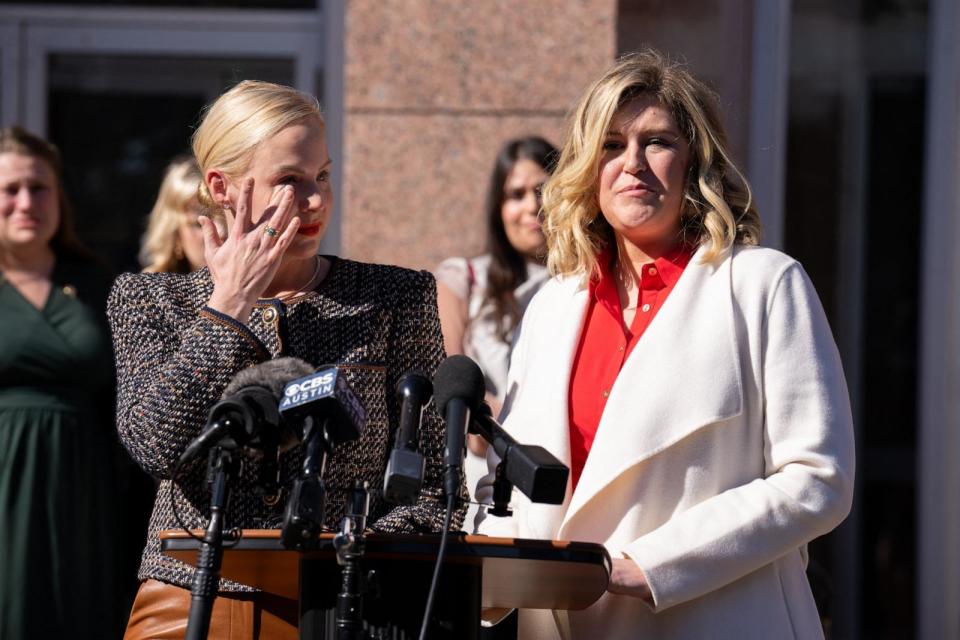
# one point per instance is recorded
(175, 357)
(725, 446)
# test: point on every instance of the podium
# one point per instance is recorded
(479, 572)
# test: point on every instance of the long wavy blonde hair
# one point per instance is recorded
(161, 250)
(717, 208)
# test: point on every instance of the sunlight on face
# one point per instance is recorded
(642, 174)
(296, 156)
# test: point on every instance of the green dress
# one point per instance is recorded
(57, 471)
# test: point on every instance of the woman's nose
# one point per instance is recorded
(634, 161)
(311, 201)
(531, 201)
(24, 198)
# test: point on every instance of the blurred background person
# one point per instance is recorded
(173, 241)
(57, 508)
(481, 299)
(688, 377)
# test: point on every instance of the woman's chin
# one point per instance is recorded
(304, 246)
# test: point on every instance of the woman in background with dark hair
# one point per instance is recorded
(57, 564)
(482, 299)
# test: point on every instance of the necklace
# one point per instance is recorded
(306, 285)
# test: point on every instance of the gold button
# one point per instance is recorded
(606, 393)
(271, 500)
(652, 271)
(621, 348)
(69, 290)
(270, 315)
(645, 308)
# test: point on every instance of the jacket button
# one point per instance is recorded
(270, 315)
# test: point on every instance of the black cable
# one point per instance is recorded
(451, 500)
(173, 504)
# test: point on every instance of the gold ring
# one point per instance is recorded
(270, 231)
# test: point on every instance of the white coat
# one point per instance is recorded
(725, 446)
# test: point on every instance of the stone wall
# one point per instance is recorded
(433, 88)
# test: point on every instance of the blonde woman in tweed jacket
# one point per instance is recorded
(179, 339)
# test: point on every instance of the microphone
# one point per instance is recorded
(458, 390)
(324, 412)
(404, 475)
(530, 468)
(326, 397)
(248, 404)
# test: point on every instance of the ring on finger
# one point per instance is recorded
(270, 231)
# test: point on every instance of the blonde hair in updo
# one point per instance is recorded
(238, 121)
(717, 209)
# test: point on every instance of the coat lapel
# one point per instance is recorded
(554, 351)
(540, 415)
(683, 374)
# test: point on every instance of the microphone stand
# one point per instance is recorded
(221, 467)
(350, 546)
(502, 492)
(304, 514)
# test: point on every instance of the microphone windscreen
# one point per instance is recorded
(458, 377)
(272, 375)
(414, 383)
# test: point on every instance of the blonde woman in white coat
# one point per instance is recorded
(687, 376)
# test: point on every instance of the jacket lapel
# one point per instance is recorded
(540, 415)
(555, 351)
(683, 374)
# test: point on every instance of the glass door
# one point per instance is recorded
(119, 120)
(120, 91)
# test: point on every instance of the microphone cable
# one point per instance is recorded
(434, 581)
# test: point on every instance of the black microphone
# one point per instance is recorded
(458, 390)
(404, 475)
(324, 412)
(248, 405)
(530, 468)
(324, 397)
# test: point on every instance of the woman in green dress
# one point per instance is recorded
(57, 471)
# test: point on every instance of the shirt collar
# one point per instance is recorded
(669, 268)
(671, 264)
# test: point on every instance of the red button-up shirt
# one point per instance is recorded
(605, 343)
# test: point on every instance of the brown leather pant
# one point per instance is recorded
(160, 613)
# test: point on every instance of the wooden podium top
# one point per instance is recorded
(529, 574)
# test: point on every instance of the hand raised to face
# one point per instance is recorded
(244, 261)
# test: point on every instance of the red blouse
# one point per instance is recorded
(605, 343)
